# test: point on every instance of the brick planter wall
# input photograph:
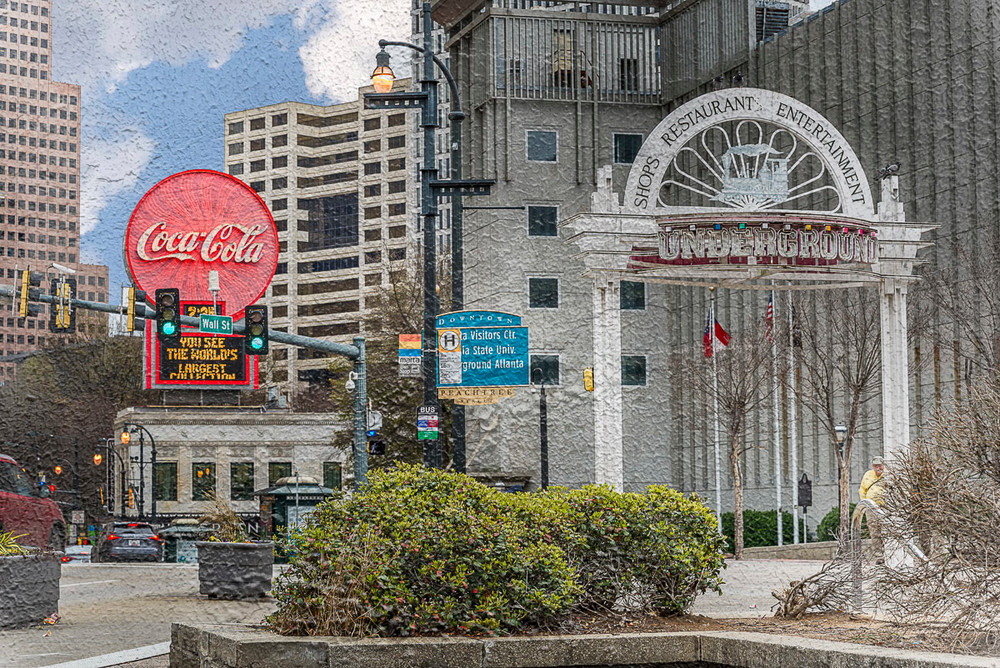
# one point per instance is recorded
(235, 570)
(29, 588)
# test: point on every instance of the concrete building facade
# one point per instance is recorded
(558, 90)
(340, 181)
(40, 167)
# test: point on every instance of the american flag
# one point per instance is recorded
(769, 319)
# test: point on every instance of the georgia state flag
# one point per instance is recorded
(714, 335)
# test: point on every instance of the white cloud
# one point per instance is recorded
(108, 168)
(339, 56)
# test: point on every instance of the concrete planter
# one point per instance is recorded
(29, 588)
(235, 570)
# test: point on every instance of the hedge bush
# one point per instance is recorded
(427, 552)
(760, 528)
(829, 526)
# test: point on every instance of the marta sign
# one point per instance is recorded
(199, 221)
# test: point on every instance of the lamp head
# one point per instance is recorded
(382, 77)
(841, 432)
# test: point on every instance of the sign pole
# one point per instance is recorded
(715, 393)
(360, 416)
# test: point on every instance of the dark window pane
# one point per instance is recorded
(202, 480)
(333, 221)
(277, 471)
(633, 369)
(241, 481)
(542, 221)
(166, 481)
(543, 292)
(545, 369)
(542, 145)
(633, 296)
(626, 148)
(331, 475)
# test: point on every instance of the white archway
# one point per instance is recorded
(736, 188)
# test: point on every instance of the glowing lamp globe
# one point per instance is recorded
(382, 77)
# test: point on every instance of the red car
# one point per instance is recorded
(26, 509)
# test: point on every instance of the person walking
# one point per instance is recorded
(872, 488)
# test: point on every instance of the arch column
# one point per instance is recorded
(898, 246)
(608, 463)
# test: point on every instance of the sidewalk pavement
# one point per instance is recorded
(748, 586)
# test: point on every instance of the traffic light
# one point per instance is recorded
(376, 446)
(135, 315)
(168, 314)
(588, 379)
(255, 330)
(58, 470)
(131, 498)
(30, 291)
(98, 458)
(62, 314)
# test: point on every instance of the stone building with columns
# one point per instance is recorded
(562, 96)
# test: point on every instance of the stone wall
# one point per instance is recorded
(29, 589)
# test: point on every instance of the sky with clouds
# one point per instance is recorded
(158, 77)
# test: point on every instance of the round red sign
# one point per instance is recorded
(199, 221)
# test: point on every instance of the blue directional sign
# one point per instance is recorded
(481, 349)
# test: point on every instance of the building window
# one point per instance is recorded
(241, 480)
(397, 119)
(279, 119)
(279, 184)
(633, 296)
(258, 186)
(373, 235)
(542, 221)
(373, 190)
(333, 221)
(236, 169)
(236, 128)
(257, 165)
(331, 475)
(626, 148)
(628, 74)
(372, 124)
(542, 145)
(396, 164)
(543, 293)
(397, 209)
(397, 187)
(373, 257)
(279, 205)
(373, 146)
(277, 141)
(236, 148)
(397, 254)
(166, 481)
(276, 471)
(279, 162)
(257, 123)
(373, 212)
(544, 369)
(257, 144)
(399, 141)
(373, 168)
(633, 370)
(202, 480)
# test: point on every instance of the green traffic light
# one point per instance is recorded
(168, 328)
(256, 343)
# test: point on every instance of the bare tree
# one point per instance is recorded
(743, 369)
(840, 359)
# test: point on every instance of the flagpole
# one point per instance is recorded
(777, 420)
(715, 395)
(793, 427)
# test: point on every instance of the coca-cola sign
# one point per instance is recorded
(199, 221)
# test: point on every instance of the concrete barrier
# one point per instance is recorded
(824, 551)
(241, 646)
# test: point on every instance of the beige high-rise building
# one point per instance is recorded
(341, 183)
(39, 176)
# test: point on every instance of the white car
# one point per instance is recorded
(79, 554)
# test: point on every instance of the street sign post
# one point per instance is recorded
(215, 324)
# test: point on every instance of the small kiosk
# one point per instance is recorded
(179, 540)
(288, 503)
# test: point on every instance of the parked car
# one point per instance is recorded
(129, 541)
(78, 554)
(26, 510)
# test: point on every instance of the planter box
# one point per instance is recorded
(29, 588)
(235, 570)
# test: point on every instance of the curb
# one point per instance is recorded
(235, 646)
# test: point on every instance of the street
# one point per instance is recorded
(107, 608)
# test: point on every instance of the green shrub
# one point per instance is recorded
(829, 526)
(760, 528)
(428, 552)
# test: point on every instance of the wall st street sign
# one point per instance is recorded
(199, 221)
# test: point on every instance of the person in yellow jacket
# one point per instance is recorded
(872, 488)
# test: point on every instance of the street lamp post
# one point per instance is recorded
(114, 451)
(430, 189)
(133, 428)
(543, 425)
